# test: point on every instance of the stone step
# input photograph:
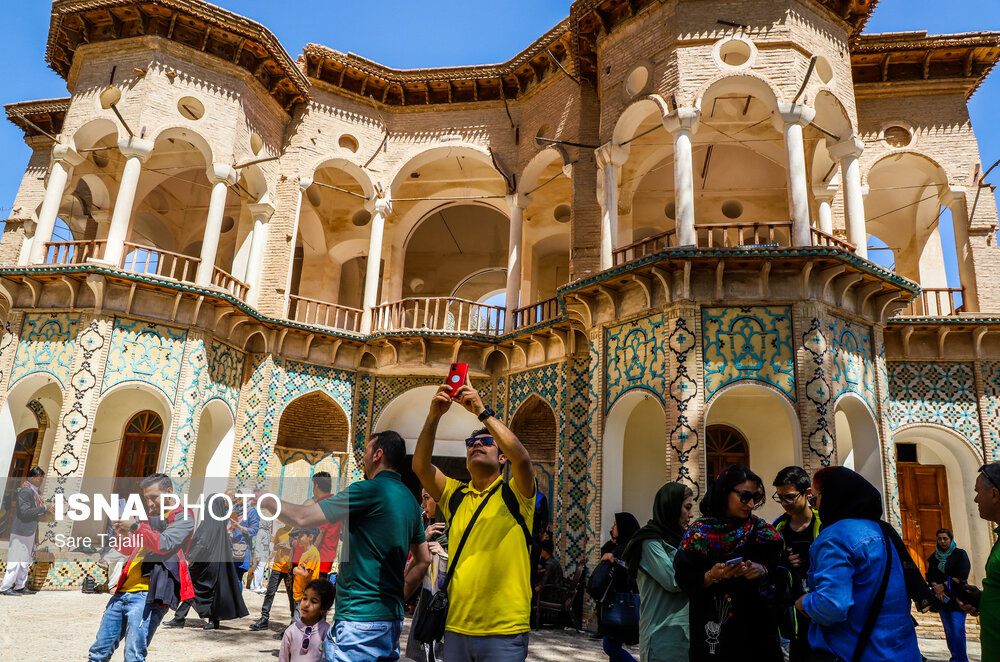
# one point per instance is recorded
(929, 626)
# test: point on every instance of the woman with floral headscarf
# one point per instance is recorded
(723, 559)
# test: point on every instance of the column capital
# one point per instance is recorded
(100, 216)
(682, 118)
(853, 146)
(137, 148)
(221, 173)
(304, 183)
(795, 113)
(66, 155)
(953, 194)
(520, 200)
(263, 209)
(383, 206)
(826, 192)
(611, 154)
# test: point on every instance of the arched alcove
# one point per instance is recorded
(858, 446)
(534, 423)
(314, 422)
(634, 457)
(214, 449)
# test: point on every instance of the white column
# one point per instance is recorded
(64, 158)
(683, 123)
(824, 199)
(517, 204)
(610, 159)
(221, 176)
(261, 212)
(135, 151)
(794, 117)
(382, 209)
(847, 152)
(955, 200)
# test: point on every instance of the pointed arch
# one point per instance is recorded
(314, 422)
(535, 425)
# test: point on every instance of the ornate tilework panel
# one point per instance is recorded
(934, 392)
(76, 420)
(544, 380)
(301, 378)
(8, 347)
(257, 383)
(683, 393)
(817, 390)
(501, 398)
(48, 341)
(145, 352)
(571, 517)
(991, 409)
(637, 356)
(753, 342)
(191, 400)
(853, 364)
(267, 435)
(894, 516)
(388, 388)
(362, 420)
(222, 379)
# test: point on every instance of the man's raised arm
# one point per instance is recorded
(430, 476)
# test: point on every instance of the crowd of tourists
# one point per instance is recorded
(829, 580)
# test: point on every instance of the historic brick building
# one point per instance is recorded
(647, 233)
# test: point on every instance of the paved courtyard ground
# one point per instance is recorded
(59, 626)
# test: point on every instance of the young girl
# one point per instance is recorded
(303, 639)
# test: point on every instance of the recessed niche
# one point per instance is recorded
(110, 96)
(823, 70)
(348, 142)
(542, 132)
(734, 52)
(361, 217)
(256, 143)
(228, 223)
(897, 136)
(636, 81)
(190, 108)
(732, 208)
(670, 210)
(562, 213)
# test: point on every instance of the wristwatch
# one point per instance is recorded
(486, 413)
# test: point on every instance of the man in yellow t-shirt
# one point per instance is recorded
(490, 586)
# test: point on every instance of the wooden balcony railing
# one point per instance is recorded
(936, 302)
(737, 235)
(152, 261)
(438, 314)
(73, 252)
(644, 247)
(536, 313)
(321, 313)
(820, 238)
(226, 281)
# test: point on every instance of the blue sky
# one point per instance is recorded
(402, 33)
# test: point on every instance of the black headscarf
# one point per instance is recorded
(665, 525)
(217, 588)
(627, 526)
(848, 495)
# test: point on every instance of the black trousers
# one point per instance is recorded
(273, 582)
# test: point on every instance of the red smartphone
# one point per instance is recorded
(456, 377)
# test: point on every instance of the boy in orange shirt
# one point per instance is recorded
(281, 572)
(309, 563)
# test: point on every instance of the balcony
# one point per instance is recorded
(444, 314)
(147, 261)
(728, 235)
(322, 313)
(935, 302)
(536, 313)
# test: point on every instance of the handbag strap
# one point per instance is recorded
(869, 627)
(453, 562)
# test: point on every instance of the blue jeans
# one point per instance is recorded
(350, 641)
(954, 634)
(127, 617)
(613, 649)
(485, 648)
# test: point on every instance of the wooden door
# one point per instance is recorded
(923, 505)
(139, 452)
(724, 446)
(20, 465)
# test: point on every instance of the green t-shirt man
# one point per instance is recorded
(382, 521)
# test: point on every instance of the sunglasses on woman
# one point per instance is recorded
(746, 496)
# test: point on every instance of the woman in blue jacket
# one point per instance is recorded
(847, 566)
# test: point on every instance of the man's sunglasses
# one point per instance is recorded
(788, 499)
(746, 496)
(485, 441)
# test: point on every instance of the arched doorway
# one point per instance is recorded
(534, 423)
(20, 464)
(756, 425)
(858, 445)
(214, 449)
(725, 445)
(313, 432)
(634, 457)
(140, 450)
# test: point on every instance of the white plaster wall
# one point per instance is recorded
(644, 465)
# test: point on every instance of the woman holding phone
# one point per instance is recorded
(722, 561)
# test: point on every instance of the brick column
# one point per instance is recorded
(885, 432)
(685, 399)
(814, 386)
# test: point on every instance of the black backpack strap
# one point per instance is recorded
(514, 506)
(456, 500)
(873, 612)
(453, 561)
